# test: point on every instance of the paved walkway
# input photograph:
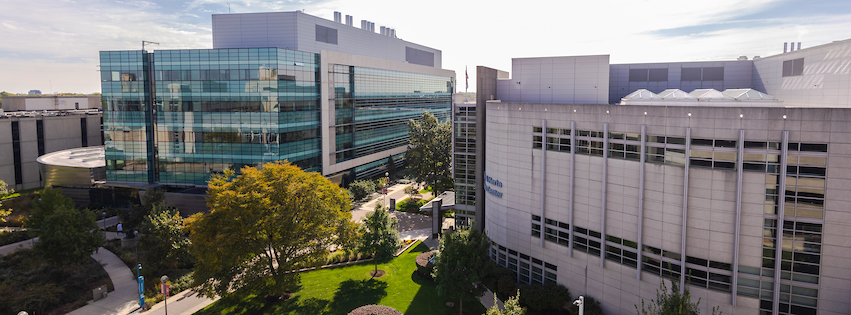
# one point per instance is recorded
(125, 298)
(183, 303)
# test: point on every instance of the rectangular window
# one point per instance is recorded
(691, 74)
(713, 74)
(419, 57)
(794, 67)
(84, 132)
(326, 34)
(637, 75)
(658, 75)
(39, 129)
(16, 152)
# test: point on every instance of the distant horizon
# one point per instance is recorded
(48, 47)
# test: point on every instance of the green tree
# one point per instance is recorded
(47, 202)
(133, 218)
(4, 191)
(512, 307)
(68, 235)
(673, 302)
(263, 224)
(163, 240)
(412, 191)
(378, 235)
(429, 153)
(461, 264)
(362, 188)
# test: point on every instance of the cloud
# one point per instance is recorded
(39, 36)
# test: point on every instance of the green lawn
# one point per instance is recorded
(340, 290)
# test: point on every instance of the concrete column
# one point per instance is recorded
(572, 182)
(740, 174)
(543, 179)
(685, 211)
(641, 162)
(604, 183)
(781, 216)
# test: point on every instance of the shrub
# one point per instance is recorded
(373, 309)
(7, 238)
(547, 297)
(361, 188)
(424, 266)
(506, 285)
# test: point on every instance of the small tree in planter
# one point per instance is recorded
(379, 236)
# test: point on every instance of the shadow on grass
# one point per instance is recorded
(352, 294)
(428, 302)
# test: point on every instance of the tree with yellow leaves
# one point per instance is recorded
(263, 225)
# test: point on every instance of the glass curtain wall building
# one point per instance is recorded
(178, 116)
(331, 98)
(373, 107)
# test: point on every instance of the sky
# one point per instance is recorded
(52, 45)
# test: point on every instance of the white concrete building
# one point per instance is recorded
(731, 187)
(26, 135)
(50, 102)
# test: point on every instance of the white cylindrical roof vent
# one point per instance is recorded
(338, 17)
(349, 20)
(785, 45)
(383, 30)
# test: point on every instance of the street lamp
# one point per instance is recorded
(104, 227)
(164, 286)
(386, 183)
(581, 303)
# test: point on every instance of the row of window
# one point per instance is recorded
(527, 269)
(686, 74)
(717, 143)
(700, 272)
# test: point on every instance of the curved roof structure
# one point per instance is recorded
(702, 97)
(80, 167)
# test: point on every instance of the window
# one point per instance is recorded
(419, 57)
(794, 67)
(645, 75)
(326, 34)
(703, 74)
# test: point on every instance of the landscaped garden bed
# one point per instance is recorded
(341, 290)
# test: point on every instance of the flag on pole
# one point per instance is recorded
(467, 81)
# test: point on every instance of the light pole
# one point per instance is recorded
(139, 278)
(104, 227)
(386, 183)
(164, 279)
(581, 303)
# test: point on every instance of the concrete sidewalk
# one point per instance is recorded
(183, 303)
(124, 299)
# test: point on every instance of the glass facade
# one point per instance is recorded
(373, 106)
(178, 116)
(464, 162)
